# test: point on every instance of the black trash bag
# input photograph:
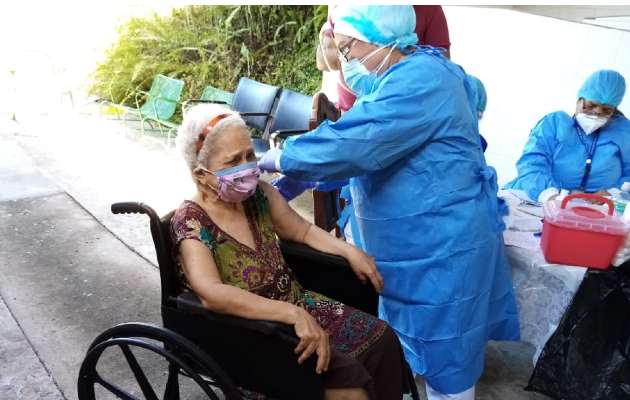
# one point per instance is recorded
(588, 356)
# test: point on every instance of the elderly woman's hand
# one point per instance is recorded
(365, 268)
(313, 339)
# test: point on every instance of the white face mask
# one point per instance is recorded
(590, 123)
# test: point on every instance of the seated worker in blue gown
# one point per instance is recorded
(424, 198)
(587, 152)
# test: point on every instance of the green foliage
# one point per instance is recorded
(214, 45)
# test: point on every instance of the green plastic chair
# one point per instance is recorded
(211, 95)
(160, 104)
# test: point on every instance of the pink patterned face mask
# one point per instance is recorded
(236, 184)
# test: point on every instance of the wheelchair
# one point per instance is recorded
(220, 353)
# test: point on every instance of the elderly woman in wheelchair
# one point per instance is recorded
(226, 244)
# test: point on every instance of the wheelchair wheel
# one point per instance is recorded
(181, 356)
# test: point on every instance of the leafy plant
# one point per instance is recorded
(214, 45)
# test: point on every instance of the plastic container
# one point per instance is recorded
(583, 234)
(621, 199)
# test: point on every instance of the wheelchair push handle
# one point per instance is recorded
(129, 207)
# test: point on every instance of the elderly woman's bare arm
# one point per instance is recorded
(289, 225)
(203, 276)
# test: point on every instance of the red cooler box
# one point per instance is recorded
(582, 234)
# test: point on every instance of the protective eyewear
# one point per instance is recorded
(600, 110)
(344, 50)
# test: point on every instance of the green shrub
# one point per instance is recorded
(214, 45)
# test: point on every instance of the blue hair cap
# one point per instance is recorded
(481, 98)
(605, 87)
(382, 25)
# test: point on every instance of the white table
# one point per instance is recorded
(543, 292)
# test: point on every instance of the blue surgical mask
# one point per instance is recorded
(360, 79)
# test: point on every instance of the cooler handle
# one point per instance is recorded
(611, 206)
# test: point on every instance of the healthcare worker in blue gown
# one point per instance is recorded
(586, 152)
(291, 188)
(424, 198)
(480, 101)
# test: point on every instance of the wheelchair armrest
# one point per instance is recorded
(307, 253)
(189, 302)
(329, 275)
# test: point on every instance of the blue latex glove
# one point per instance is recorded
(330, 185)
(270, 161)
(291, 188)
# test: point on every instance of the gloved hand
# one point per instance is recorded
(291, 188)
(270, 161)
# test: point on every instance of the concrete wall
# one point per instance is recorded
(530, 65)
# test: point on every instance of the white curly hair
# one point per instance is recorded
(195, 121)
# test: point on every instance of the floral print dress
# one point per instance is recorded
(263, 271)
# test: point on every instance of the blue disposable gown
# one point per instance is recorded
(556, 152)
(426, 206)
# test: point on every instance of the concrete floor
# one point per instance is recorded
(70, 269)
(28, 377)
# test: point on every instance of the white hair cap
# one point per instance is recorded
(189, 134)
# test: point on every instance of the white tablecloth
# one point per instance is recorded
(543, 290)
